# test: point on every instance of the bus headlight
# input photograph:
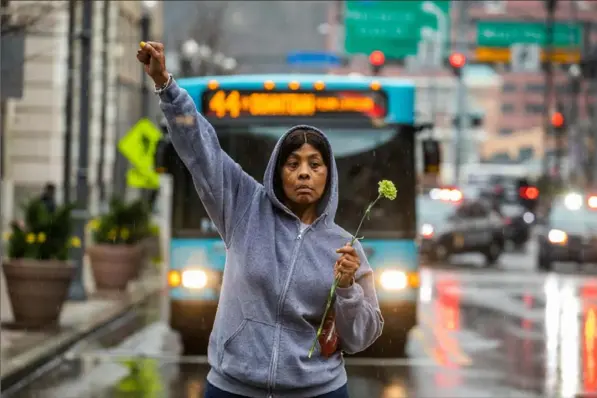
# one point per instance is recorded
(194, 279)
(393, 280)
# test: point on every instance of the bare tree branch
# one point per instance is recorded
(25, 15)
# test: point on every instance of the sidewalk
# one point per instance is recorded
(21, 350)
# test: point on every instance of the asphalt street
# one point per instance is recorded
(503, 331)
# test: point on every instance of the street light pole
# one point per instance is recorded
(68, 105)
(104, 117)
(145, 27)
(461, 112)
(551, 6)
(77, 288)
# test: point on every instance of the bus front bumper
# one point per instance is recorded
(192, 317)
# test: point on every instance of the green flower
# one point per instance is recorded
(387, 189)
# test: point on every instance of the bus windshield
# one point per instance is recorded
(363, 156)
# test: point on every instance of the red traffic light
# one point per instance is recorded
(377, 58)
(557, 119)
(457, 60)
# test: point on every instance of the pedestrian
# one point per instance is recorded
(48, 197)
(283, 253)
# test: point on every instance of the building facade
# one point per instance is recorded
(35, 124)
(518, 113)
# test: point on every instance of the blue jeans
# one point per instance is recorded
(214, 392)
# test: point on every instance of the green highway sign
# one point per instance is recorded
(504, 34)
(395, 27)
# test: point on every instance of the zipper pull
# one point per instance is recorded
(300, 236)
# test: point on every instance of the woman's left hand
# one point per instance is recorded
(346, 266)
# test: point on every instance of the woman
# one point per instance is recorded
(280, 239)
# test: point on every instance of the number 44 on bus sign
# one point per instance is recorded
(139, 146)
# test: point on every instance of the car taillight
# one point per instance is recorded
(530, 193)
(507, 221)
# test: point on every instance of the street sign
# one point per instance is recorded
(496, 41)
(139, 146)
(525, 57)
(313, 59)
(503, 55)
(503, 34)
(395, 27)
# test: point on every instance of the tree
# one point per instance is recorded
(20, 17)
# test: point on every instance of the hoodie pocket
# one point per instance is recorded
(295, 369)
(246, 354)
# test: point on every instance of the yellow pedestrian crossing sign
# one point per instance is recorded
(139, 146)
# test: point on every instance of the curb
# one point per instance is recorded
(45, 355)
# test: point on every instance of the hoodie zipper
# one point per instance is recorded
(274, 364)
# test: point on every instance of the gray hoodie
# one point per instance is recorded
(276, 278)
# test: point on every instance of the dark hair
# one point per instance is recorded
(50, 187)
(291, 143)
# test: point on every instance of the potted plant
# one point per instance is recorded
(38, 273)
(117, 253)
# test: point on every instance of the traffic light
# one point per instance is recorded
(558, 121)
(457, 62)
(377, 59)
(431, 157)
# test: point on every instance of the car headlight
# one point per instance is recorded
(427, 230)
(557, 236)
(194, 279)
(393, 280)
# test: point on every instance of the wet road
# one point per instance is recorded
(505, 332)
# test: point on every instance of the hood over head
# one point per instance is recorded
(329, 201)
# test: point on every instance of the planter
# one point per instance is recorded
(37, 290)
(113, 266)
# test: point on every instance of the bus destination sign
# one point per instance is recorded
(237, 104)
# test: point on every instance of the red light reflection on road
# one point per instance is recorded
(447, 311)
(589, 346)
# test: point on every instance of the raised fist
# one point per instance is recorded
(151, 55)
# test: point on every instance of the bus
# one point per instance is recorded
(370, 124)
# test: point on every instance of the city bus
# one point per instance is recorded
(370, 124)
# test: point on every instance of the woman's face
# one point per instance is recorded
(304, 176)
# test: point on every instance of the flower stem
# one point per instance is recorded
(354, 238)
(337, 280)
(327, 308)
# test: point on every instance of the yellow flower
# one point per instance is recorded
(387, 189)
(112, 234)
(31, 238)
(6, 235)
(124, 233)
(93, 224)
(75, 241)
(41, 237)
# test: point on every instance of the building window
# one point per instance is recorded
(535, 88)
(525, 154)
(502, 157)
(534, 108)
(509, 88)
(508, 108)
(506, 131)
